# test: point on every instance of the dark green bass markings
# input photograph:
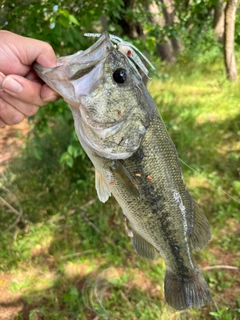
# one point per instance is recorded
(135, 160)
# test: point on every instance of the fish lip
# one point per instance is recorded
(75, 66)
(38, 68)
(42, 70)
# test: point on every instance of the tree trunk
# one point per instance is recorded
(132, 29)
(169, 15)
(166, 48)
(218, 20)
(229, 28)
(165, 51)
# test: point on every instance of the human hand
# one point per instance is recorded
(21, 90)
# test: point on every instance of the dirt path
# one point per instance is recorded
(12, 139)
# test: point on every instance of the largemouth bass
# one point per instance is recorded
(120, 129)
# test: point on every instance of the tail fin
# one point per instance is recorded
(186, 292)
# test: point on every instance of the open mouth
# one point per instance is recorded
(79, 64)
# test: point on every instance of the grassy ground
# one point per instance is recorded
(68, 256)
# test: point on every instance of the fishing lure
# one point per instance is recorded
(129, 50)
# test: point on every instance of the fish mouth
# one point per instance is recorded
(73, 67)
(72, 72)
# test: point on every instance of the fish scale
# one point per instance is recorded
(135, 160)
(156, 201)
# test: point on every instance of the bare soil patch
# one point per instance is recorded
(12, 139)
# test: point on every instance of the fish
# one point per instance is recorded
(135, 160)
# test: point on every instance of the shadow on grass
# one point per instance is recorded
(108, 292)
(60, 216)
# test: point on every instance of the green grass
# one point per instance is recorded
(69, 258)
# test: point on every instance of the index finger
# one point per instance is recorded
(36, 50)
(20, 53)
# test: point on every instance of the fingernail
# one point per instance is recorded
(10, 85)
(51, 98)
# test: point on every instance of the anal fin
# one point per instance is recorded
(201, 232)
(101, 187)
(142, 247)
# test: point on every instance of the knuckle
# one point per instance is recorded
(31, 110)
(17, 118)
(42, 103)
(48, 48)
(2, 123)
(8, 114)
(3, 105)
(31, 93)
(32, 96)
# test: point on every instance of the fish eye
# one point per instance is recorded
(120, 75)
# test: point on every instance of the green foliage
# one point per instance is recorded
(224, 313)
(68, 256)
(204, 50)
(74, 150)
(64, 23)
(74, 299)
(67, 253)
(237, 32)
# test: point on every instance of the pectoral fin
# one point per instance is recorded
(125, 177)
(201, 233)
(101, 187)
(142, 247)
